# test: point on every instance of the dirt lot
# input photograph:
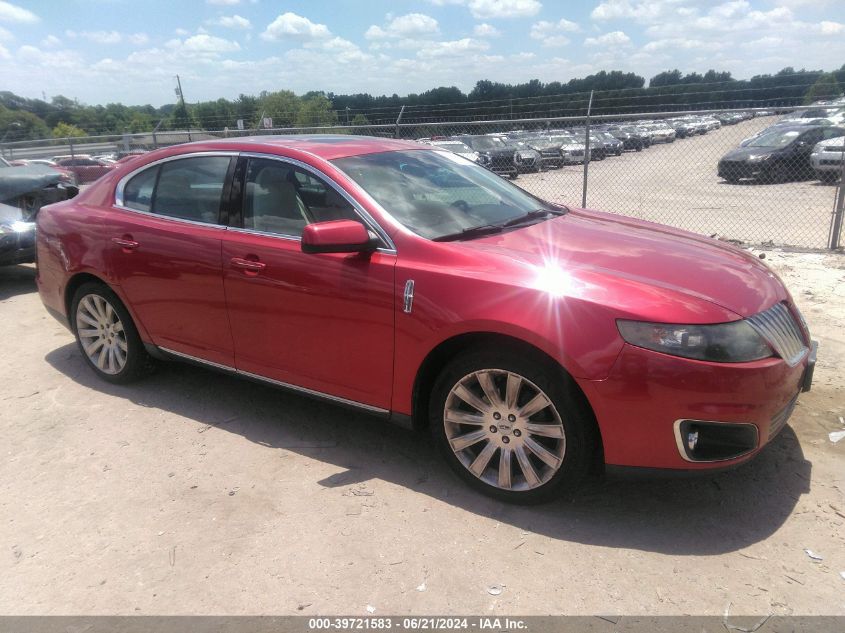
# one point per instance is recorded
(676, 183)
(196, 493)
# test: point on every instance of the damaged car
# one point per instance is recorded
(23, 191)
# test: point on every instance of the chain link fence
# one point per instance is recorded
(755, 176)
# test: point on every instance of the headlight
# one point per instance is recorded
(757, 158)
(17, 226)
(735, 342)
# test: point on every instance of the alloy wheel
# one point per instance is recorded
(504, 429)
(101, 334)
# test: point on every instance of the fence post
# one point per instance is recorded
(587, 153)
(399, 118)
(838, 209)
(70, 142)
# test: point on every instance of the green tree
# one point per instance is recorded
(316, 110)
(282, 106)
(68, 130)
(826, 87)
(360, 119)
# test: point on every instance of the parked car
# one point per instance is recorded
(86, 168)
(629, 135)
(532, 340)
(526, 157)
(66, 176)
(614, 146)
(459, 148)
(23, 191)
(493, 154)
(781, 153)
(550, 150)
(827, 157)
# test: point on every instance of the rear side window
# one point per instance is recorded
(191, 188)
(138, 193)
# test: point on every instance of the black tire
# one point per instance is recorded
(579, 439)
(828, 177)
(777, 173)
(138, 362)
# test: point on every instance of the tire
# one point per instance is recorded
(828, 177)
(103, 326)
(777, 173)
(543, 462)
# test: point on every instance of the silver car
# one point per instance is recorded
(827, 158)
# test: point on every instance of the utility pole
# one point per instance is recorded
(179, 91)
(347, 116)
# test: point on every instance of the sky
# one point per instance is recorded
(126, 51)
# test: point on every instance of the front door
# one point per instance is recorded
(322, 322)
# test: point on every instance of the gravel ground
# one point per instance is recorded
(676, 183)
(196, 493)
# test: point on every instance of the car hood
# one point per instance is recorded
(17, 181)
(638, 267)
(744, 153)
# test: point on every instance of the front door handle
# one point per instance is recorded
(126, 243)
(247, 265)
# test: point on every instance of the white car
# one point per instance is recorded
(827, 158)
(457, 147)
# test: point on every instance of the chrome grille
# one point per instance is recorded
(780, 418)
(778, 327)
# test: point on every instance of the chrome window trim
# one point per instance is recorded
(121, 185)
(363, 214)
(278, 383)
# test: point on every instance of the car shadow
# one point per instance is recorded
(16, 280)
(705, 515)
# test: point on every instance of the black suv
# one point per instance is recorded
(493, 153)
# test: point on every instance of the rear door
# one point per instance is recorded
(166, 235)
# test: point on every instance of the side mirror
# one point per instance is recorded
(338, 236)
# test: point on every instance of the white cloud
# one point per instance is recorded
(831, 28)
(640, 10)
(232, 22)
(486, 30)
(404, 26)
(51, 41)
(487, 9)
(203, 44)
(108, 37)
(224, 3)
(6, 35)
(454, 48)
(290, 26)
(552, 33)
(13, 13)
(341, 50)
(614, 38)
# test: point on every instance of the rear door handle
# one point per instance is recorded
(248, 265)
(124, 243)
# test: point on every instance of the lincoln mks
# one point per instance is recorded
(534, 342)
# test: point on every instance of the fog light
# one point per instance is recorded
(711, 441)
(692, 440)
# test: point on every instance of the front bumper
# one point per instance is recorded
(647, 393)
(826, 161)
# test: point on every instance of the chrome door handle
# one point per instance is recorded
(247, 264)
(125, 244)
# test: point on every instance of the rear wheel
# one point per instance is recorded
(510, 427)
(106, 335)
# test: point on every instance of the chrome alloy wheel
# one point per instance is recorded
(504, 429)
(101, 334)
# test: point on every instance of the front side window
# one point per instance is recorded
(191, 188)
(436, 193)
(281, 198)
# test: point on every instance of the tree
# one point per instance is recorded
(281, 106)
(68, 130)
(666, 78)
(826, 87)
(360, 119)
(181, 119)
(315, 111)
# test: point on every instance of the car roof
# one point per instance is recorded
(325, 146)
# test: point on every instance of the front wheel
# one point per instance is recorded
(106, 335)
(510, 426)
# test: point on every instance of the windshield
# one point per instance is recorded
(486, 142)
(460, 148)
(774, 138)
(437, 193)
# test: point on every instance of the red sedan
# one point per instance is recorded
(532, 340)
(87, 169)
